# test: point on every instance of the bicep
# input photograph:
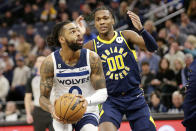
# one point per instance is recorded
(97, 74)
(47, 74)
(134, 38)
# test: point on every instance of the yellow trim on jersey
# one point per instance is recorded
(95, 46)
(110, 41)
(102, 111)
(151, 119)
(133, 51)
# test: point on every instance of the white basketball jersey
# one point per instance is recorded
(73, 79)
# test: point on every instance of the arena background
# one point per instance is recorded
(24, 25)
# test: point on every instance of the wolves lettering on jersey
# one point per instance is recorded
(74, 81)
(119, 63)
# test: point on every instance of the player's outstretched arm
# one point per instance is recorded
(97, 80)
(46, 83)
(145, 39)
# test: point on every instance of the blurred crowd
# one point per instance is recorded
(24, 26)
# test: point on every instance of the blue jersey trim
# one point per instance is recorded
(72, 74)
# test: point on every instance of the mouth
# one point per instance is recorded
(103, 28)
(80, 41)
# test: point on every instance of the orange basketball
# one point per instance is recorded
(69, 108)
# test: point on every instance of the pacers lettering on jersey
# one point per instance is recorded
(114, 57)
(74, 81)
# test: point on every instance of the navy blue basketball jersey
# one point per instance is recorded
(119, 63)
(189, 105)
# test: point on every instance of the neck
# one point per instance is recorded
(69, 56)
(108, 36)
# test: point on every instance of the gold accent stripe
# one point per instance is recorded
(95, 46)
(151, 119)
(102, 111)
(110, 41)
(133, 51)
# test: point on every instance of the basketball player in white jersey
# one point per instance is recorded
(72, 69)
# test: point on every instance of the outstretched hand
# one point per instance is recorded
(135, 20)
(81, 24)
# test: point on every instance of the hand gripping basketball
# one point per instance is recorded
(69, 108)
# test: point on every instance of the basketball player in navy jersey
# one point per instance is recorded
(72, 70)
(119, 60)
(189, 105)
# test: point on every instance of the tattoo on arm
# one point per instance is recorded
(46, 83)
(97, 74)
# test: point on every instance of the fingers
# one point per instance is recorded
(85, 104)
(79, 19)
(133, 16)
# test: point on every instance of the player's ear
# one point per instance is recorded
(113, 21)
(61, 39)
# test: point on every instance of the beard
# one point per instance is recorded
(73, 45)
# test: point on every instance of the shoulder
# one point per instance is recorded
(47, 65)
(93, 55)
(89, 45)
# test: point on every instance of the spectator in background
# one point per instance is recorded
(180, 37)
(64, 16)
(190, 45)
(11, 111)
(29, 35)
(179, 65)
(174, 52)
(149, 26)
(75, 15)
(187, 27)
(177, 101)
(62, 8)
(122, 18)
(155, 103)
(146, 79)
(39, 45)
(9, 65)
(188, 60)
(163, 48)
(153, 60)
(191, 10)
(23, 47)
(86, 10)
(8, 19)
(14, 39)
(168, 24)
(12, 52)
(4, 85)
(49, 13)
(20, 76)
(28, 16)
(163, 34)
(165, 81)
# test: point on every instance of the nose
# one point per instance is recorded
(102, 21)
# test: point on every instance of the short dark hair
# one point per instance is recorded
(104, 8)
(162, 40)
(157, 93)
(52, 39)
(145, 63)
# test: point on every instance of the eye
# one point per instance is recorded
(73, 31)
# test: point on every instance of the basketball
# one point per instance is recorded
(69, 108)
